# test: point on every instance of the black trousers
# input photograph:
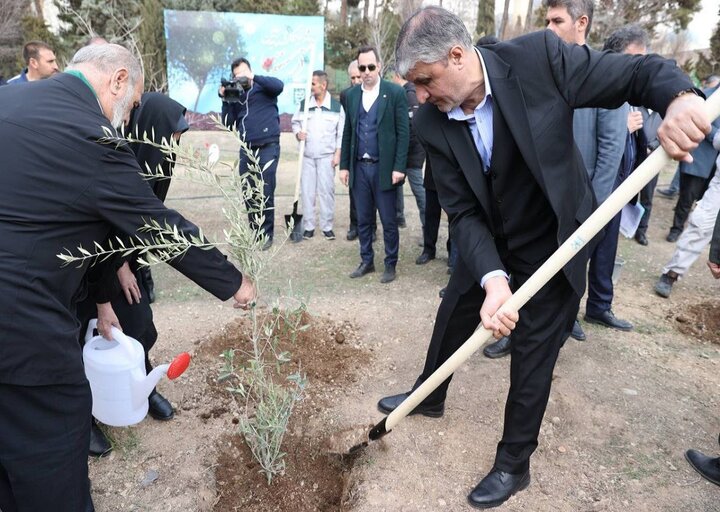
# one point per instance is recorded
(646, 199)
(544, 325)
(692, 189)
(433, 213)
(600, 270)
(44, 438)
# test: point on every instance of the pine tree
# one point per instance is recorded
(485, 25)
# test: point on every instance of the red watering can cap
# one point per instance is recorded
(178, 365)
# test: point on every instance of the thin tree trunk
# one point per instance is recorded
(366, 10)
(39, 9)
(343, 12)
(528, 17)
(504, 21)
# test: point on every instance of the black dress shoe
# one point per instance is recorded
(500, 348)
(673, 236)
(99, 443)
(352, 234)
(390, 403)
(577, 332)
(667, 193)
(388, 275)
(424, 258)
(363, 268)
(608, 319)
(160, 407)
(497, 487)
(641, 238)
(708, 467)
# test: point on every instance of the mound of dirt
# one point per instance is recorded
(701, 321)
(314, 480)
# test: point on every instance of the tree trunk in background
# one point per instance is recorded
(343, 12)
(366, 10)
(504, 20)
(39, 11)
(485, 25)
(528, 17)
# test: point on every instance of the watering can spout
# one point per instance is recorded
(145, 384)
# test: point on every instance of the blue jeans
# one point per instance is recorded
(415, 178)
(368, 196)
(266, 153)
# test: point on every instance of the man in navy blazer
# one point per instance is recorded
(62, 187)
(495, 125)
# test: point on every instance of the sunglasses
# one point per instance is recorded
(369, 67)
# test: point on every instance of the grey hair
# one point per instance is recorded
(107, 58)
(427, 36)
(353, 64)
(623, 37)
(575, 9)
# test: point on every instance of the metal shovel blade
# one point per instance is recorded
(295, 220)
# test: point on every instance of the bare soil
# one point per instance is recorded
(623, 409)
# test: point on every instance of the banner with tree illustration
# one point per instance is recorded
(201, 45)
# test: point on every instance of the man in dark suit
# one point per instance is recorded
(60, 188)
(495, 125)
(373, 158)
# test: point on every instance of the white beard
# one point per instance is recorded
(122, 108)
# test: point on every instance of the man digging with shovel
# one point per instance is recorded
(497, 127)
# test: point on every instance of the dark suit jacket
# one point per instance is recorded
(393, 131)
(61, 188)
(537, 81)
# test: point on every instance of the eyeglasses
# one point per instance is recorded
(369, 67)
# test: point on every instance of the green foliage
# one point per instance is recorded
(114, 20)
(151, 44)
(715, 47)
(35, 29)
(485, 25)
(612, 14)
(342, 42)
(292, 7)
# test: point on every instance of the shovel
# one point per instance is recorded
(295, 219)
(600, 217)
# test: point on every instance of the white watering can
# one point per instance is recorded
(116, 372)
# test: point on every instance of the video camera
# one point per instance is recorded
(233, 86)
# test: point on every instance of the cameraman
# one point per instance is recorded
(250, 105)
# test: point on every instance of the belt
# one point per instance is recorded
(368, 160)
(260, 146)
